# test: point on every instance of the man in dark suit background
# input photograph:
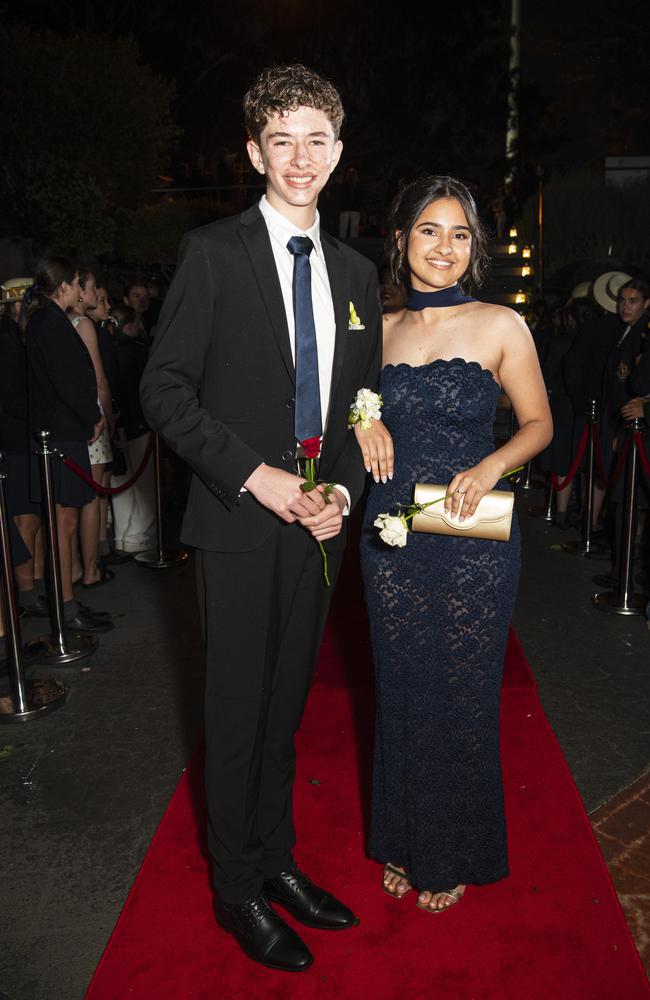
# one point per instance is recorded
(255, 352)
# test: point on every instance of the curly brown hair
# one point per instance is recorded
(279, 89)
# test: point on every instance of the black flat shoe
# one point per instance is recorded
(105, 576)
(92, 613)
(308, 903)
(263, 935)
(39, 609)
(83, 622)
(114, 558)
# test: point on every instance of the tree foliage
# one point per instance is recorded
(86, 129)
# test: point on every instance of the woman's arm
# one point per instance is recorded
(86, 330)
(521, 378)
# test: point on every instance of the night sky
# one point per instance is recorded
(424, 87)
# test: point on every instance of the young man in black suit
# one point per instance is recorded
(255, 353)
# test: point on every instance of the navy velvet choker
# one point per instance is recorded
(451, 296)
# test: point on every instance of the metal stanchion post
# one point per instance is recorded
(30, 699)
(160, 558)
(64, 646)
(585, 545)
(545, 513)
(624, 600)
(527, 484)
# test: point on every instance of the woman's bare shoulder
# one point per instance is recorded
(501, 319)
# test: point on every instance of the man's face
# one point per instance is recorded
(138, 299)
(631, 305)
(296, 153)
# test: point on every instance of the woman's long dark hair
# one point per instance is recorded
(407, 208)
(50, 273)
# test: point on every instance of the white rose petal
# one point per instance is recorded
(394, 529)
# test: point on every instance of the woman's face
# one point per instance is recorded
(68, 294)
(102, 310)
(631, 305)
(89, 293)
(439, 246)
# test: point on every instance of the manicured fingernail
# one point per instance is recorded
(368, 469)
(390, 475)
(383, 479)
(376, 478)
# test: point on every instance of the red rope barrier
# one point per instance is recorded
(582, 444)
(601, 475)
(108, 491)
(643, 455)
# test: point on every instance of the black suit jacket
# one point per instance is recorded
(61, 383)
(220, 382)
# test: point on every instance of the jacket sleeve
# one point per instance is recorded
(348, 469)
(638, 383)
(172, 379)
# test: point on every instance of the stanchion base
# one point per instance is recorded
(43, 696)
(578, 548)
(541, 513)
(78, 645)
(162, 560)
(609, 601)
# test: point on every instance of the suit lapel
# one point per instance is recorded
(338, 278)
(257, 242)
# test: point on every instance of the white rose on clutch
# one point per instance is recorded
(394, 529)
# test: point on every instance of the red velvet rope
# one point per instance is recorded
(582, 444)
(601, 475)
(108, 491)
(643, 455)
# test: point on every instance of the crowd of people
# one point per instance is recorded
(71, 360)
(593, 348)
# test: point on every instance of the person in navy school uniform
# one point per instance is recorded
(235, 381)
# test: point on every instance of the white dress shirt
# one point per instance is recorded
(281, 230)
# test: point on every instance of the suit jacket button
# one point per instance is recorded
(287, 455)
(290, 403)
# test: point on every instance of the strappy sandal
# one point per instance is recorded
(392, 870)
(454, 895)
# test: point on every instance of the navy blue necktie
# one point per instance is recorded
(309, 422)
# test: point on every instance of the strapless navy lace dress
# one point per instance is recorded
(439, 611)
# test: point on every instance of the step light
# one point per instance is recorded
(521, 298)
(512, 248)
(526, 271)
(526, 253)
(513, 233)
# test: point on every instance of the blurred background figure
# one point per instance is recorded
(100, 451)
(134, 511)
(350, 205)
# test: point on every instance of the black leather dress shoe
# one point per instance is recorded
(263, 935)
(92, 613)
(83, 622)
(39, 609)
(308, 903)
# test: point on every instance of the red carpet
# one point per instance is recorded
(553, 929)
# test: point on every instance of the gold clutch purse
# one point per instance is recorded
(492, 518)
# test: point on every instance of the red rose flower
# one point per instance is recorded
(311, 447)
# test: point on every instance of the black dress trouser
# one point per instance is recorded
(263, 613)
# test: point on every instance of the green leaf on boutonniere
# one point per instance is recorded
(308, 486)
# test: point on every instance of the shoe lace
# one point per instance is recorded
(256, 910)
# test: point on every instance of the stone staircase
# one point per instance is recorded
(511, 277)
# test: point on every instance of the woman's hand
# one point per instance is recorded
(377, 449)
(97, 431)
(469, 487)
(633, 408)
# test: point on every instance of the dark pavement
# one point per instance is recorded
(82, 790)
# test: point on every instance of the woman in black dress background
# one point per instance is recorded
(440, 606)
(62, 397)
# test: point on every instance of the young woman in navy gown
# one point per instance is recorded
(440, 606)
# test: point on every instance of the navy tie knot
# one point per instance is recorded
(300, 245)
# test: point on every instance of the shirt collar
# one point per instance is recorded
(282, 229)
